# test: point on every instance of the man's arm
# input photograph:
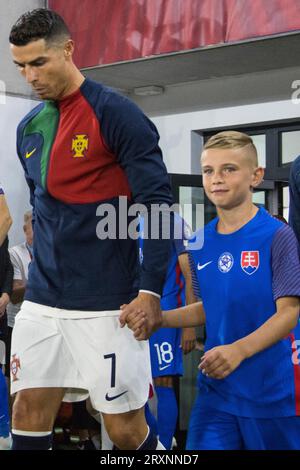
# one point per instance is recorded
(6, 287)
(5, 218)
(134, 139)
(18, 292)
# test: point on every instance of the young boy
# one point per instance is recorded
(248, 275)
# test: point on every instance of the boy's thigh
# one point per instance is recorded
(271, 434)
(212, 429)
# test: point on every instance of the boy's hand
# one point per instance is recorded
(220, 361)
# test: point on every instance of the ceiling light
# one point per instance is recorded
(148, 90)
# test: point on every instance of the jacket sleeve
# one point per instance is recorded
(133, 138)
(28, 180)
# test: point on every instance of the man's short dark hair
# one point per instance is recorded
(40, 23)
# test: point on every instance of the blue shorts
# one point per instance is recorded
(166, 353)
(212, 429)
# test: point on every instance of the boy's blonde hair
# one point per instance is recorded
(233, 140)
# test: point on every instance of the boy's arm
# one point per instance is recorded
(190, 315)
(188, 338)
(220, 361)
(274, 329)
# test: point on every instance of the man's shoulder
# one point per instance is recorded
(29, 116)
(102, 96)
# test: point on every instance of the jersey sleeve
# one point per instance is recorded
(181, 232)
(195, 282)
(285, 264)
(294, 188)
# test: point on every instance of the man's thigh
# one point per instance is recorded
(36, 409)
(39, 356)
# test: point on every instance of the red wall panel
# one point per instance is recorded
(108, 31)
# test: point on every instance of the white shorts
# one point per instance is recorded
(88, 356)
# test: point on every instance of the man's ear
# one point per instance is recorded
(69, 48)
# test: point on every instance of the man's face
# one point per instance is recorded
(28, 232)
(44, 67)
(228, 175)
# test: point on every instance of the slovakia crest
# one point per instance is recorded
(250, 261)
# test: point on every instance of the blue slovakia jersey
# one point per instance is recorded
(174, 288)
(240, 276)
(165, 351)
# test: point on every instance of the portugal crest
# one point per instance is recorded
(250, 261)
(80, 144)
(14, 367)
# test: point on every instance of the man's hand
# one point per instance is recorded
(220, 361)
(4, 300)
(142, 315)
(188, 340)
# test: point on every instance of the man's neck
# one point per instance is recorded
(74, 83)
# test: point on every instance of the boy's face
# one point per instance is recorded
(228, 176)
(44, 67)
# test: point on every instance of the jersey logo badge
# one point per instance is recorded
(225, 262)
(14, 367)
(80, 144)
(202, 266)
(28, 154)
(114, 397)
(250, 261)
(164, 367)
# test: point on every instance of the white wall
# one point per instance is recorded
(181, 146)
(11, 171)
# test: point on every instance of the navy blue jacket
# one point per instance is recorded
(79, 153)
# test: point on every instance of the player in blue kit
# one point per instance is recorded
(168, 344)
(248, 274)
(5, 439)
